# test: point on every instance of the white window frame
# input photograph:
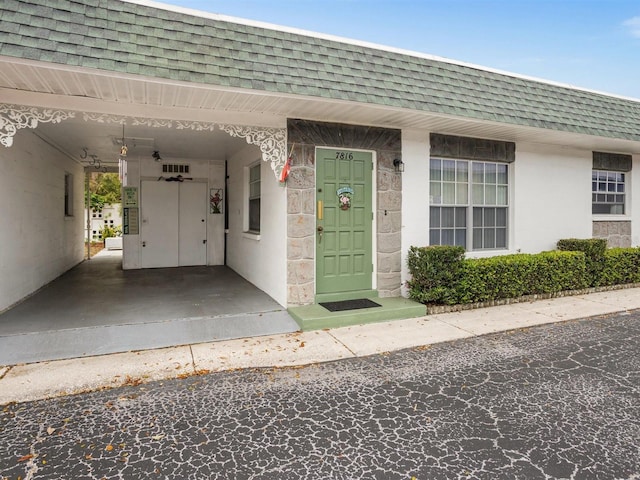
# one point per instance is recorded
(253, 191)
(604, 196)
(461, 192)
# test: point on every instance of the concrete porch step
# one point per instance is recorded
(105, 339)
(315, 317)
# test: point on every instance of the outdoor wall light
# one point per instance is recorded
(156, 156)
(398, 165)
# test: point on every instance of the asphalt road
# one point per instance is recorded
(557, 401)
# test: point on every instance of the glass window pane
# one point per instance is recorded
(503, 177)
(449, 170)
(611, 176)
(502, 198)
(449, 193)
(254, 215)
(477, 217)
(489, 238)
(434, 217)
(254, 173)
(620, 177)
(448, 237)
(490, 173)
(461, 238)
(461, 217)
(435, 192)
(478, 172)
(462, 170)
(620, 188)
(594, 186)
(501, 238)
(434, 237)
(611, 187)
(447, 217)
(462, 194)
(602, 187)
(478, 194)
(477, 238)
(435, 172)
(489, 217)
(501, 217)
(490, 194)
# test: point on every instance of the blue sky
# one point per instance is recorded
(593, 44)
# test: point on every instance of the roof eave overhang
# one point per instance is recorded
(38, 84)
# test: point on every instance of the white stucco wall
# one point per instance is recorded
(262, 259)
(551, 196)
(37, 242)
(415, 194)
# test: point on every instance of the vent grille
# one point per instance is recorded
(175, 168)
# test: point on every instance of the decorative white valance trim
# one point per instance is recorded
(15, 117)
(271, 141)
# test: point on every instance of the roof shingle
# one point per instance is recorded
(132, 38)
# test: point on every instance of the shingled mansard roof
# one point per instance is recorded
(140, 39)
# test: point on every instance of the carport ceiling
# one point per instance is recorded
(103, 140)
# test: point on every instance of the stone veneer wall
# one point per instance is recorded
(304, 136)
(617, 234)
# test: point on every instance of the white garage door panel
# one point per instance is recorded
(159, 226)
(193, 224)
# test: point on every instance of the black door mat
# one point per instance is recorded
(349, 305)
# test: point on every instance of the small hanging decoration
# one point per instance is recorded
(287, 166)
(344, 197)
(123, 148)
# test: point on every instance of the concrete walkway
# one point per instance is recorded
(27, 382)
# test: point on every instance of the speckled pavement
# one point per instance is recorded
(555, 401)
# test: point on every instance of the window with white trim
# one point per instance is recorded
(254, 198)
(469, 202)
(607, 192)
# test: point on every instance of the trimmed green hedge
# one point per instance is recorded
(441, 274)
(512, 276)
(435, 272)
(594, 250)
(621, 265)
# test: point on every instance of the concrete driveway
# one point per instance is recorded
(97, 308)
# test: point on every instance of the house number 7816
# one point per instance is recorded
(344, 156)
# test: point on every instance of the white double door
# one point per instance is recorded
(173, 227)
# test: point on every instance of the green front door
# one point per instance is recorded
(344, 220)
